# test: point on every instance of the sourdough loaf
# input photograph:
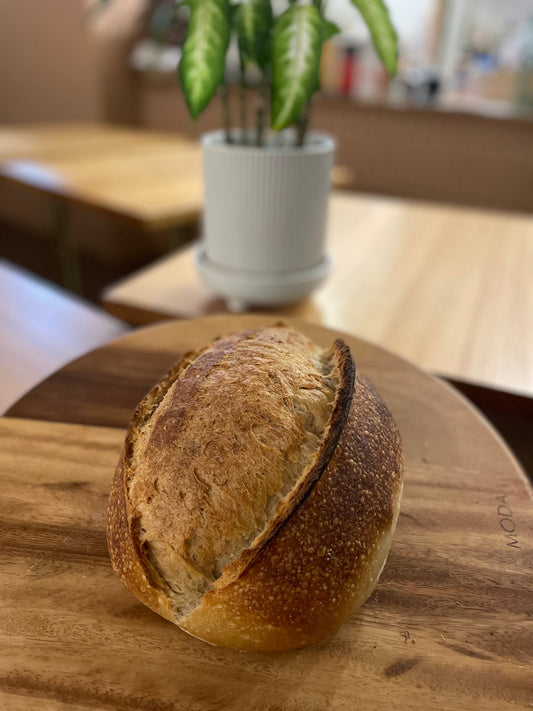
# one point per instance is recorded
(257, 491)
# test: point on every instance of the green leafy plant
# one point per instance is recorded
(284, 50)
(202, 63)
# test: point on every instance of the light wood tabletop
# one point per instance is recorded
(450, 289)
(151, 178)
(448, 626)
(41, 329)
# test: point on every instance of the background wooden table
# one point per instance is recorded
(450, 289)
(41, 329)
(153, 179)
(448, 627)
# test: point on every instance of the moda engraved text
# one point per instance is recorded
(507, 523)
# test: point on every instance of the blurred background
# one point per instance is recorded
(458, 114)
(453, 128)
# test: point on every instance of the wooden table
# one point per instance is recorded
(450, 289)
(448, 627)
(153, 180)
(41, 329)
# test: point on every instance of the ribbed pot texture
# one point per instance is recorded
(266, 208)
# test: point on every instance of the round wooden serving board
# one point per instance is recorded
(448, 627)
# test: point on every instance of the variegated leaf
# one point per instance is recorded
(384, 37)
(252, 22)
(203, 57)
(296, 54)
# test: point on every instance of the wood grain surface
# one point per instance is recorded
(151, 178)
(448, 627)
(447, 288)
(42, 327)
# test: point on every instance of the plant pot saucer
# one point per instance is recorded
(242, 289)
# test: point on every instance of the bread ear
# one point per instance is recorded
(344, 368)
(326, 559)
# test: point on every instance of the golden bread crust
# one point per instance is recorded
(331, 435)
(222, 451)
(124, 550)
(254, 501)
(327, 557)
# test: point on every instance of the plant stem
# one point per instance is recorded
(260, 108)
(303, 123)
(242, 94)
(226, 119)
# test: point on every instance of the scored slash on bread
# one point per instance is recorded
(257, 491)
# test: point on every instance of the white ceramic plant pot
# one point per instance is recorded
(265, 219)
